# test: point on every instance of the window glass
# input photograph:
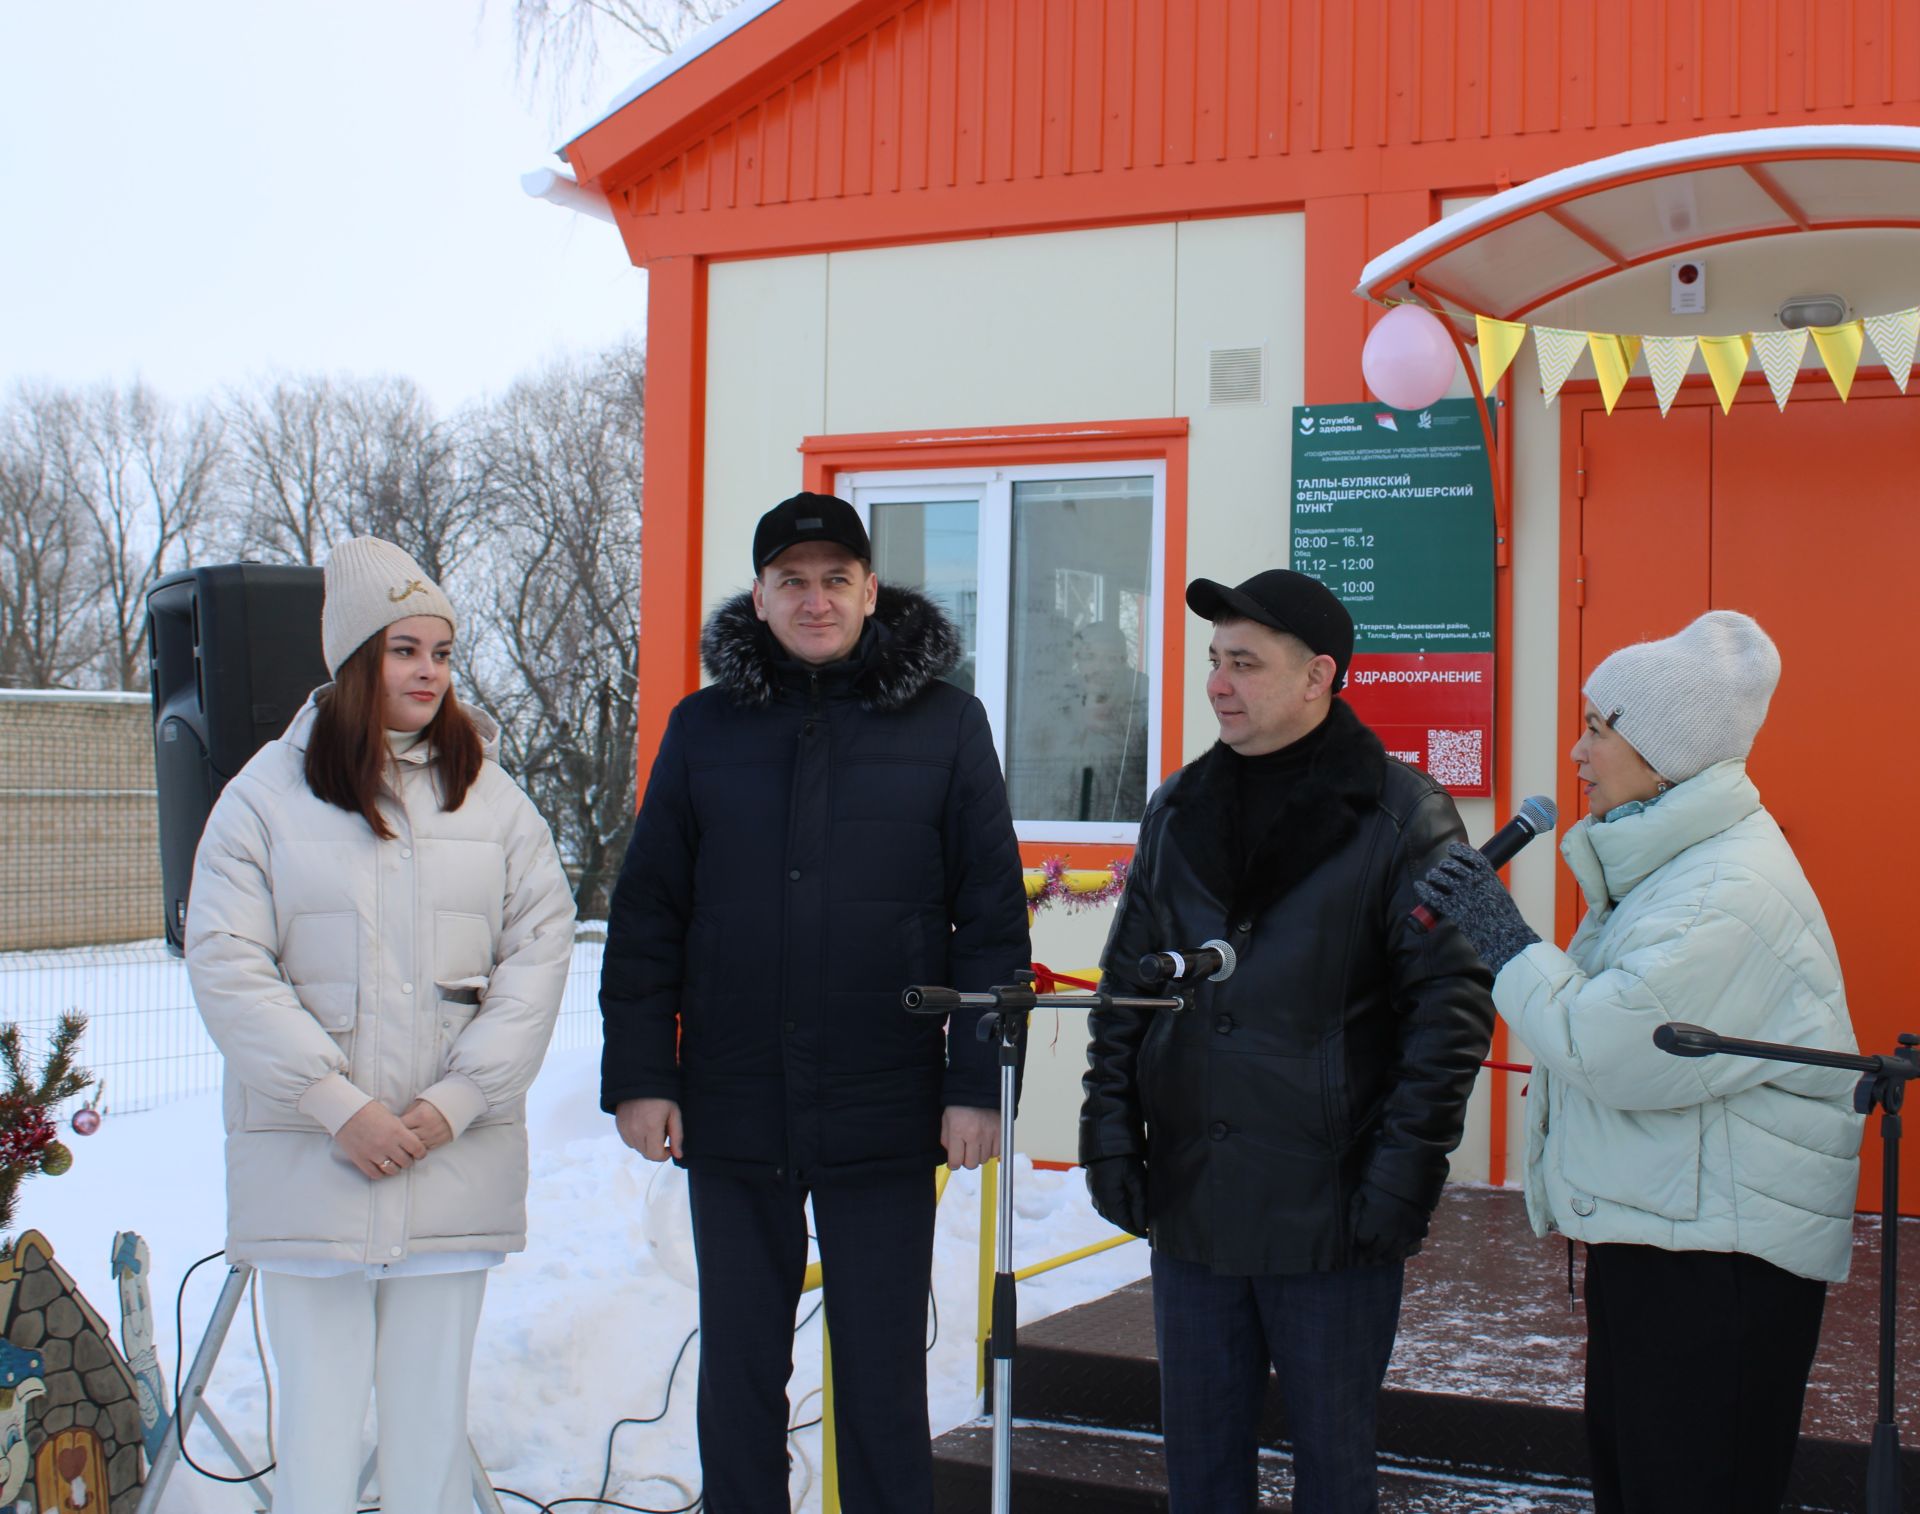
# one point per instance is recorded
(935, 547)
(1078, 689)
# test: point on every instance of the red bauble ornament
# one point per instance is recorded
(86, 1121)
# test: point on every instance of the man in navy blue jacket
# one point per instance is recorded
(825, 824)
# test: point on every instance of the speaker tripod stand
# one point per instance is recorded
(192, 1405)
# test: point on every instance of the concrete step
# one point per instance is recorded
(1486, 1375)
(1062, 1469)
(1095, 1366)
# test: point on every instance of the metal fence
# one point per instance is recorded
(144, 1038)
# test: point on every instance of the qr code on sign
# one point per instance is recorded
(1453, 758)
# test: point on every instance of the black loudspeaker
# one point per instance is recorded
(233, 651)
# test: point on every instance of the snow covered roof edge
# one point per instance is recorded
(702, 41)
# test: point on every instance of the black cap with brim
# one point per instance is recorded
(809, 517)
(1282, 600)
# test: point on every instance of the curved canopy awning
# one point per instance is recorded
(1537, 249)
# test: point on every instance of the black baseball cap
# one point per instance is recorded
(809, 517)
(1286, 601)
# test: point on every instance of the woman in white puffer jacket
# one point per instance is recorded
(378, 934)
(1716, 1194)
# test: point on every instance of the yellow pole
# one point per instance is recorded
(989, 1222)
(829, 1457)
(1073, 1256)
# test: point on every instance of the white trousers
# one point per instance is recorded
(407, 1341)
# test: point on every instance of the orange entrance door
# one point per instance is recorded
(1808, 520)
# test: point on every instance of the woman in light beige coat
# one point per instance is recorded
(379, 933)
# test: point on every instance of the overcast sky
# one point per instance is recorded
(203, 191)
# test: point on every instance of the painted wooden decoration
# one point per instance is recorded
(71, 1470)
(70, 1431)
(22, 1382)
(132, 1266)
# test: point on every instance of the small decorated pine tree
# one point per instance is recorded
(28, 1143)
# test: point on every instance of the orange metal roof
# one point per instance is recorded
(825, 123)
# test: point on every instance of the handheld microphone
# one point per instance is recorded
(1214, 961)
(1686, 1040)
(1536, 816)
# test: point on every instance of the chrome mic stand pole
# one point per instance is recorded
(1005, 1028)
(1010, 1004)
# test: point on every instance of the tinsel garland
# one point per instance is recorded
(26, 1131)
(1054, 888)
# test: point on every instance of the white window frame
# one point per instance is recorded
(991, 490)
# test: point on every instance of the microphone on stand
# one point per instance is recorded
(1684, 1040)
(1536, 817)
(1214, 961)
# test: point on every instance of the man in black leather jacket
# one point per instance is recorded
(1283, 1140)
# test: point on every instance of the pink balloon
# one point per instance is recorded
(1409, 360)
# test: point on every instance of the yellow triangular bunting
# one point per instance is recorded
(1727, 363)
(1557, 351)
(1780, 353)
(1500, 342)
(1612, 361)
(1668, 358)
(1893, 338)
(1840, 351)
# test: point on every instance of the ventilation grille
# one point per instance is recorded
(1236, 375)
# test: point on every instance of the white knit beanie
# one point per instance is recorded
(1694, 699)
(369, 584)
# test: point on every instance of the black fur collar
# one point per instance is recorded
(1319, 816)
(912, 643)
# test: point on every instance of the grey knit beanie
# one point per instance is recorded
(368, 585)
(1694, 699)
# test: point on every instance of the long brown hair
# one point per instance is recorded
(347, 751)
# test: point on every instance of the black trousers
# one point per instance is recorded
(1327, 1335)
(1697, 1366)
(876, 1255)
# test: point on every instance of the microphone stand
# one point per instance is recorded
(1010, 1004)
(1883, 1086)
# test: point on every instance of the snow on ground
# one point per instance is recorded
(579, 1330)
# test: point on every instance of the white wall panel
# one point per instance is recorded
(1004, 331)
(1240, 285)
(766, 389)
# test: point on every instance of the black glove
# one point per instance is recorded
(1467, 891)
(1386, 1228)
(1118, 1186)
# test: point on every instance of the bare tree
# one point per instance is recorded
(562, 44)
(554, 659)
(142, 474)
(45, 639)
(320, 459)
(406, 475)
(286, 469)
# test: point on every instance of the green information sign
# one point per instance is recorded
(1393, 511)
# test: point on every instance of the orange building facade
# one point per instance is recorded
(876, 197)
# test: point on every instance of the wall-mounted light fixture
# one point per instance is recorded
(1812, 310)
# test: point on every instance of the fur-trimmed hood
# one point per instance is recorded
(909, 643)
